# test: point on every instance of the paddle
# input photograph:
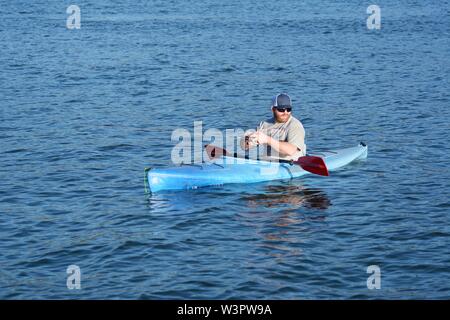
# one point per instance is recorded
(311, 164)
(215, 152)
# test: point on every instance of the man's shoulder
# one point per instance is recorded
(268, 122)
(295, 123)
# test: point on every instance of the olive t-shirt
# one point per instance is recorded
(291, 131)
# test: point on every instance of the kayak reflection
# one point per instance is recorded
(284, 227)
(294, 195)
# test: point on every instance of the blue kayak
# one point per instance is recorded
(226, 170)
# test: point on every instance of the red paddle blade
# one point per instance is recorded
(313, 164)
(214, 152)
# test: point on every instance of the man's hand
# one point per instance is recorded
(282, 147)
(259, 137)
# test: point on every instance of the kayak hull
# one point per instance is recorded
(238, 170)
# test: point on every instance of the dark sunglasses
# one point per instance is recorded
(289, 109)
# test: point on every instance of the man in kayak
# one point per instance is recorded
(282, 135)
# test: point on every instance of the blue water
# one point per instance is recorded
(83, 112)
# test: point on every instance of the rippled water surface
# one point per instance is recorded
(83, 112)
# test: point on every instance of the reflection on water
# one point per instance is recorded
(279, 220)
(281, 215)
(293, 195)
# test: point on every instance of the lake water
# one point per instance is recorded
(84, 111)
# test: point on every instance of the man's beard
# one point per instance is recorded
(279, 119)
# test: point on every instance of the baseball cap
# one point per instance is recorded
(281, 100)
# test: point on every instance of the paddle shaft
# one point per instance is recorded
(311, 164)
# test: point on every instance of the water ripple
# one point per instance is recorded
(78, 127)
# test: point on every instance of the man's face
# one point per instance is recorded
(281, 114)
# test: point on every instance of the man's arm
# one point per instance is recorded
(282, 147)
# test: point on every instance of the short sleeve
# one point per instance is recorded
(296, 135)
